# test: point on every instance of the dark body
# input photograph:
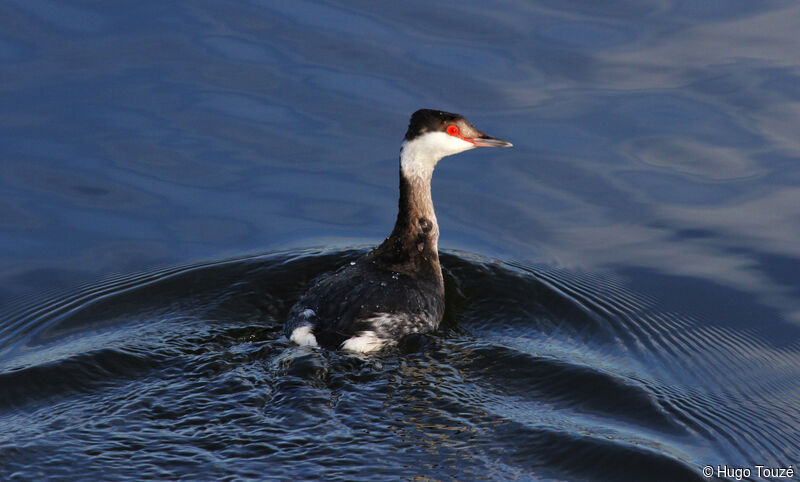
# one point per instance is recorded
(347, 303)
(401, 278)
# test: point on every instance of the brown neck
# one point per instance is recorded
(412, 246)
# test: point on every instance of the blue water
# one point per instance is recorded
(622, 286)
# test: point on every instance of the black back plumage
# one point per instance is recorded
(359, 292)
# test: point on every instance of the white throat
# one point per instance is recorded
(419, 156)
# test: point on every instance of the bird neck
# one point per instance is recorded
(415, 215)
(413, 245)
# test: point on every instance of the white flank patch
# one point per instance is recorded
(381, 319)
(303, 336)
(419, 156)
(366, 341)
(394, 321)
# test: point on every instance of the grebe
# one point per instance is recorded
(397, 288)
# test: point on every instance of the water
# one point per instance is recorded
(622, 288)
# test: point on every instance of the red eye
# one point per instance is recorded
(453, 130)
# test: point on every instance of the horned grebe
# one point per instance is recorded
(397, 288)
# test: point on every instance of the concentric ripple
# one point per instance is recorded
(536, 373)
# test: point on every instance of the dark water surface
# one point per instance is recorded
(622, 286)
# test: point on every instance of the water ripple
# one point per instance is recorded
(537, 371)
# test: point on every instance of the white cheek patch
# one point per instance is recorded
(419, 156)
